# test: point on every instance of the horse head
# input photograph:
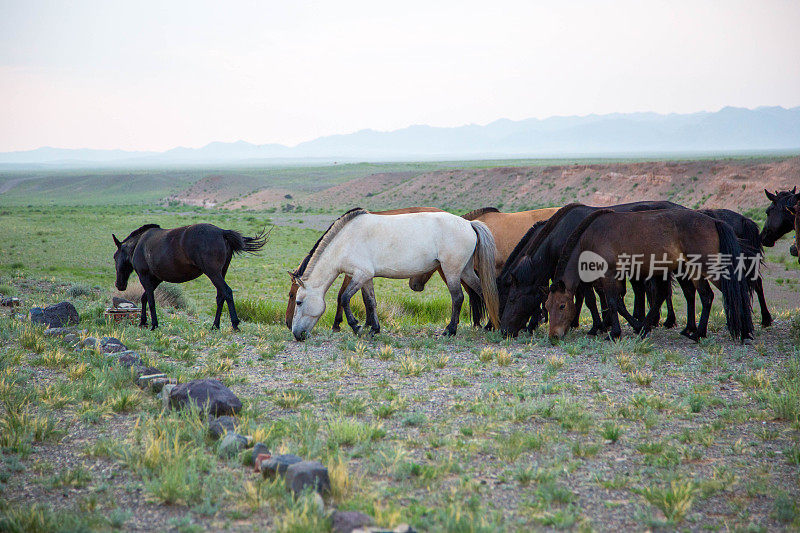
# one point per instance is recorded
(780, 217)
(523, 297)
(561, 309)
(122, 262)
(309, 305)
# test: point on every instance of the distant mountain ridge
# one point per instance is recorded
(729, 129)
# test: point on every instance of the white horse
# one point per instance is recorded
(363, 246)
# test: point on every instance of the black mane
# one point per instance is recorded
(300, 270)
(137, 232)
(572, 241)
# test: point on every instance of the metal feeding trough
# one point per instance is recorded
(11, 303)
(123, 312)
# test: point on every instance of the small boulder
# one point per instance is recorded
(217, 427)
(145, 381)
(71, 339)
(164, 394)
(260, 449)
(129, 359)
(278, 465)
(111, 345)
(208, 394)
(158, 384)
(55, 316)
(347, 521)
(231, 444)
(402, 528)
(308, 474)
(88, 342)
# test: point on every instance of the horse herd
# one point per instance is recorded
(520, 269)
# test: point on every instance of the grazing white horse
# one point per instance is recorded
(363, 246)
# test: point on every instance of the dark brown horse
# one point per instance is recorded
(663, 240)
(180, 255)
(780, 217)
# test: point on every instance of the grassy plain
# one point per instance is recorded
(473, 433)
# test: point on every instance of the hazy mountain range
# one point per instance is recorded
(729, 129)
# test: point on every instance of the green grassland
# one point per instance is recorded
(466, 434)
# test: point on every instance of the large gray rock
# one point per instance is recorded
(231, 444)
(217, 427)
(55, 316)
(59, 332)
(278, 465)
(308, 475)
(121, 303)
(210, 395)
(347, 521)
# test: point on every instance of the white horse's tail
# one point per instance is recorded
(485, 265)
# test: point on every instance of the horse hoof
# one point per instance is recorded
(766, 322)
(235, 328)
(356, 329)
(669, 324)
(336, 329)
(142, 324)
(374, 331)
(153, 327)
(448, 332)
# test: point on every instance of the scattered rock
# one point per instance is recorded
(347, 521)
(259, 460)
(231, 444)
(129, 359)
(278, 465)
(59, 331)
(88, 342)
(308, 474)
(157, 384)
(111, 345)
(55, 316)
(121, 303)
(144, 381)
(71, 339)
(221, 425)
(208, 394)
(260, 449)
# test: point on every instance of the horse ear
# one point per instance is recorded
(771, 196)
(557, 286)
(794, 189)
(116, 241)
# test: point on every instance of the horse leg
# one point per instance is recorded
(591, 304)
(688, 293)
(658, 297)
(706, 299)
(472, 284)
(613, 298)
(579, 296)
(671, 320)
(371, 306)
(766, 317)
(150, 285)
(356, 282)
(337, 320)
(619, 305)
(143, 319)
(224, 295)
(457, 297)
(640, 294)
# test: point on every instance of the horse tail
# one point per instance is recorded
(733, 286)
(485, 264)
(752, 247)
(239, 243)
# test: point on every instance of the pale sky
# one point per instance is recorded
(155, 75)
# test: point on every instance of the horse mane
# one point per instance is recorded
(475, 213)
(311, 259)
(137, 232)
(572, 241)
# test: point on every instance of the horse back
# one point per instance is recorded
(182, 254)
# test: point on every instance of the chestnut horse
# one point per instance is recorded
(667, 236)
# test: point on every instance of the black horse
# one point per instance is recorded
(180, 255)
(523, 282)
(780, 217)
